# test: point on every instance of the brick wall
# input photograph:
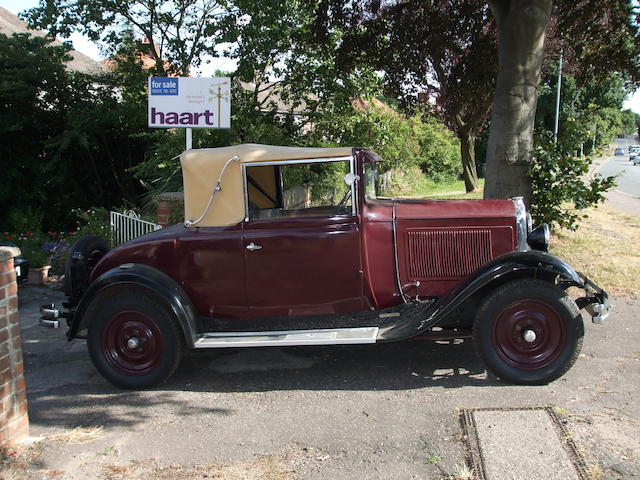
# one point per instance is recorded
(14, 421)
(170, 208)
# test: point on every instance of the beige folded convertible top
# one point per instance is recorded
(202, 168)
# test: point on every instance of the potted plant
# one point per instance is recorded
(39, 254)
(39, 266)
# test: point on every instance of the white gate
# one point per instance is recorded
(128, 225)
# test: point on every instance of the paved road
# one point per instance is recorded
(629, 179)
(353, 412)
(626, 196)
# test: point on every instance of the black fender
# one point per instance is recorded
(521, 264)
(138, 277)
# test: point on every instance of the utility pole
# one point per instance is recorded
(555, 129)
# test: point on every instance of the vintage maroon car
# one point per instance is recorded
(291, 246)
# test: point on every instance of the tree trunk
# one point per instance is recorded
(521, 32)
(468, 153)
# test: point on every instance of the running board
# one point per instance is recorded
(287, 338)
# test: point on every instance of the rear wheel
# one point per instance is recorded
(528, 332)
(133, 341)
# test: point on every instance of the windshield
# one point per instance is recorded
(370, 181)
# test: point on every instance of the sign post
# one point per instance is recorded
(188, 140)
(189, 102)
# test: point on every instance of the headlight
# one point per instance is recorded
(521, 223)
(540, 237)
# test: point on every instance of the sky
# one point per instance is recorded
(80, 43)
(84, 45)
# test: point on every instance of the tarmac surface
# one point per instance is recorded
(626, 195)
(362, 412)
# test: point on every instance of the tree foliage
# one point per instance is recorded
(179, 33)
(560, 190)
(590, 113)
(436, 49)
(598, 38)
(65, 139)
(449, 48)
(439, 49)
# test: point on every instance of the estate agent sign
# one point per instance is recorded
(189, 102)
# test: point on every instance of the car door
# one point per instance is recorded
(301, 240)
(210, 268)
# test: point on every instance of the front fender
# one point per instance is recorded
(138, 277)
(521, 264)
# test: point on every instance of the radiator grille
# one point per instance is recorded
(447, 253)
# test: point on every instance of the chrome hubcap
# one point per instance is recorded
(529, 336)
(133, 343)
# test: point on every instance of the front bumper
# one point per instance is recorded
(596, 303)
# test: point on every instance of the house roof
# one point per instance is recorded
(10, 24)
(271, 92)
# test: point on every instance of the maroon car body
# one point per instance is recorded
(387, 269)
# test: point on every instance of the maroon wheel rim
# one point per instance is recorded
(528, 335)
(132, 343)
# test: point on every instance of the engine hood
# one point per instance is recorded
(453, 209)
(438, 243)
(427, 209)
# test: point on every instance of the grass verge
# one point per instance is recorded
(606, 247)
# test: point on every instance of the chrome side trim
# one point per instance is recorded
(245, 192)
(395, 252)
(345, 158)
(354, 190)
(338, 336)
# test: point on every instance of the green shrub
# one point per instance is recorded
(560, 189)
(402, 142)
(31, 246)
(25, 219)
(93, 221)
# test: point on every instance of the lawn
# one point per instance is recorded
(449, 189)
(605, 248)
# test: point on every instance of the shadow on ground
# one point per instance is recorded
(87, 399)
(64, 389)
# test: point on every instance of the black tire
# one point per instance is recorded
(90, 248)
(118, 320)
(510, 314)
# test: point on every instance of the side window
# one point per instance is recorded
(297, 190)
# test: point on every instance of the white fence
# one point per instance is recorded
(128, 225)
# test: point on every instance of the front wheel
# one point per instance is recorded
(528, 332)
(133, 341)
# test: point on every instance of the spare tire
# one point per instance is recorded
(83, 257)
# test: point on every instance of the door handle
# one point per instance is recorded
(252, 246)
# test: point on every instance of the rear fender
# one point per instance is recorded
(145, 279)
(510, 266)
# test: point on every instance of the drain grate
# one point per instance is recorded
(522, 443)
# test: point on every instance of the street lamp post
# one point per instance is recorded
(555, 128)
